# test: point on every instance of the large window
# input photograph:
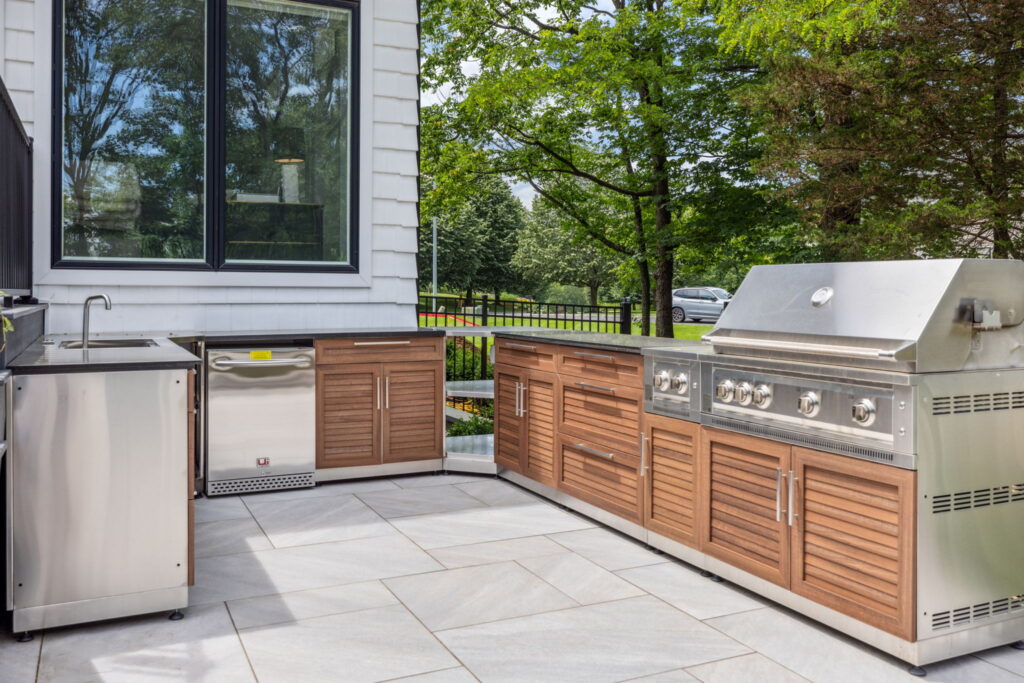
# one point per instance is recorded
(206, 134)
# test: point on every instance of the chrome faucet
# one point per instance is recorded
(85, 315)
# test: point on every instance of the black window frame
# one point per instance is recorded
(216, 68)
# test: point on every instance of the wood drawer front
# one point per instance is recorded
(413, 401)
(601, 366)
(672, 483)
(604, 413)
(601, 476)
(379, 350)
(539, 446)
(742, 523)
(853, 547)
(348, 415)
(525, 354)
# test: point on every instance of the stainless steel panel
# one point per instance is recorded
(51, 616)
(100, 476)
(669, 401)
(910, 316)
(970, 501)
(261, 415)
(388, 469)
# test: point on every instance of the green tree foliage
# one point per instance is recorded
(548, 252)
(617, 114)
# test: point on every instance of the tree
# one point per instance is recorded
(613, 113)
(548, 253)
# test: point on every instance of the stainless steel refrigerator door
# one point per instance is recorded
(261, 413)
(99, 473)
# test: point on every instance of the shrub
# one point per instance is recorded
(471, 427)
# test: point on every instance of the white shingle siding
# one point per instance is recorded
(383, 293)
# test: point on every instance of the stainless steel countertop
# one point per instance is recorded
(46, 356)
(269, 336)
(628, 343)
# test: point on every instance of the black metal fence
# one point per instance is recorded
(15, 200)
(460, 311)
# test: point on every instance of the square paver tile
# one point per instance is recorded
(328, 488)
(498, 493)
(318, 602)
(1006, 657)
(686, 589)
(479, 525)
(497, 551)
(370, 645)
(419, 480)
(821, 654)
(220, 507)
(677, 676)
(18, 661)
(284, 570)
(580, 579)
(612, 641)
(318, 520)
(474, 595)
(608, 549)
(419, 501)
(459, 675)
(752, 667)
(201, 647)
(227, 536)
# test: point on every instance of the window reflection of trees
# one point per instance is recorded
(133, 129)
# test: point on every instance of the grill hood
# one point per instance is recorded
(907, 316)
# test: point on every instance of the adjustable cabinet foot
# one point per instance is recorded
(176, 615)
(706, 574)
(917, 671)
(716, 578)
(25, 637)
(1019, 645)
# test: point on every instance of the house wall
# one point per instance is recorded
(383, 293)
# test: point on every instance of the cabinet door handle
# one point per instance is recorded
(584, 385)
(791, 500)
(381, 343)
(378, 393)
(593, 451)
(643, 455)
(521, 347)
(387, 393)
(522, 399)
(779, 476)
(517, 400)
(596, 356)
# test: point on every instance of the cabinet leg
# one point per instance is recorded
(25, 637)
(1019, 645)
(716, 578)
(917, 671)
(706, 574)
(176, 615)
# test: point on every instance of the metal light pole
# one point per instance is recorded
(433, 256)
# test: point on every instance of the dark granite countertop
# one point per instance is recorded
(625, 343)
(45, 356)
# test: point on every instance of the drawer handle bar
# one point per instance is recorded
(524, 347)
(592, 451)
(779, 476)
(598, 356)
(607, 390)
(792, 501)
(221, 363)
(382, 343)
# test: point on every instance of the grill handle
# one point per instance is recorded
(893, 355)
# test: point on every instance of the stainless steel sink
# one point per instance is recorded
(109, 344)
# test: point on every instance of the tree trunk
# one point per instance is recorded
(1002, 244)
(645, 297)
(593, 293)
(663, 293)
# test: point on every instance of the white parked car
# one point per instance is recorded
(699, 303)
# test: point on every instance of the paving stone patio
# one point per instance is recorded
(446, 579)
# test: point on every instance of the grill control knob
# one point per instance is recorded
(864, 412)
(681, 383)
(809, 404)
(744, 393)
(726, 391)
(762, 397)
(661, 380)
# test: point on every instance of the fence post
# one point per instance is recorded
(484, 320)
(626, 317)
(483, 310)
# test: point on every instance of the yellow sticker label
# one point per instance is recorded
(261, 355)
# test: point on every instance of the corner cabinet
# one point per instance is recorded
(524, 424)
(379, 401)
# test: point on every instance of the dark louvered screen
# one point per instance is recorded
(15, 200)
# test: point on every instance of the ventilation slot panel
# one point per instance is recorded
(969, 614)
(977, 403)
(979, 498)
(284, 481)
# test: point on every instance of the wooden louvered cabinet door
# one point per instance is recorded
(743, 497)
(671, 483)
(853, 538)
(538, 440)
(348, 415)
(413, 404)
(509, 425)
